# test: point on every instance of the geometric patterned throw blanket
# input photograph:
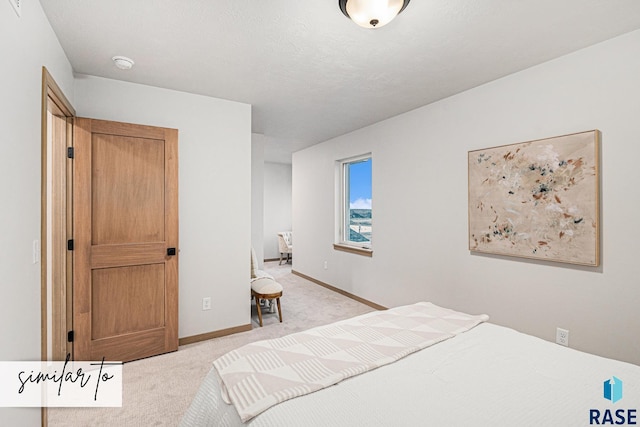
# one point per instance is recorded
(262, 374)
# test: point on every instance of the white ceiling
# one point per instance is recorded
(309, 72)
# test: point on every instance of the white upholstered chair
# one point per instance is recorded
(285, 245)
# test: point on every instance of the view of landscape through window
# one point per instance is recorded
(359, 188)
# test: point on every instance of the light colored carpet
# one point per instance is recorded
(158, 390)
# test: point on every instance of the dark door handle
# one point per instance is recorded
(171, 251)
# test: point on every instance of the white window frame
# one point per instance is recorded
(343, 208)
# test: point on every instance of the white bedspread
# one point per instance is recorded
(488, 376)
(262, 374)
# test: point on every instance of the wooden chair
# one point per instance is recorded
(267, 289)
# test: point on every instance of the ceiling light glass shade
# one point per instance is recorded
(372, 13)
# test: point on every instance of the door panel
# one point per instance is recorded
(128, 189)
(125, 218)
(139, 307)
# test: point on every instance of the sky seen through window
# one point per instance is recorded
(360, 185)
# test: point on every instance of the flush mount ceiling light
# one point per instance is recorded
(372, 13)
(123, 62)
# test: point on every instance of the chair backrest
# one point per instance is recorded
(254, 263)
(285, 241)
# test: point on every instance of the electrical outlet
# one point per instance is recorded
(17, 6)
(206, 303)
(326, 265)
(562, 337)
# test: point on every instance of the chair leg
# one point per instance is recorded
(280, 263)
(279, 309)
(259, 310)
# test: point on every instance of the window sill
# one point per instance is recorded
(353, 250)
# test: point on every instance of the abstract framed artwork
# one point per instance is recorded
(537, 199)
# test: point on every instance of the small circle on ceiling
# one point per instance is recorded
(123, 62)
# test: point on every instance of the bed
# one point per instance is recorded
(483, 374)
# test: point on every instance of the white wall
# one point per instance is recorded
(27, 43)
(257, 196)
(420, 203)
(270, 200)
(215, 191)
(277, 205)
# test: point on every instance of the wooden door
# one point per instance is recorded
(125, 288)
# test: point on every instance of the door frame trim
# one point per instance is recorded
(50, 90)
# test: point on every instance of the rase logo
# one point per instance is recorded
(613, 392)
(613, 389)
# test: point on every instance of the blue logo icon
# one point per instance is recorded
(613, 389)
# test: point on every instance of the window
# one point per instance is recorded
(355, 225)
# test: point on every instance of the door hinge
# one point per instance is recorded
(70, 336)
(70, 152)
(70, 245)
